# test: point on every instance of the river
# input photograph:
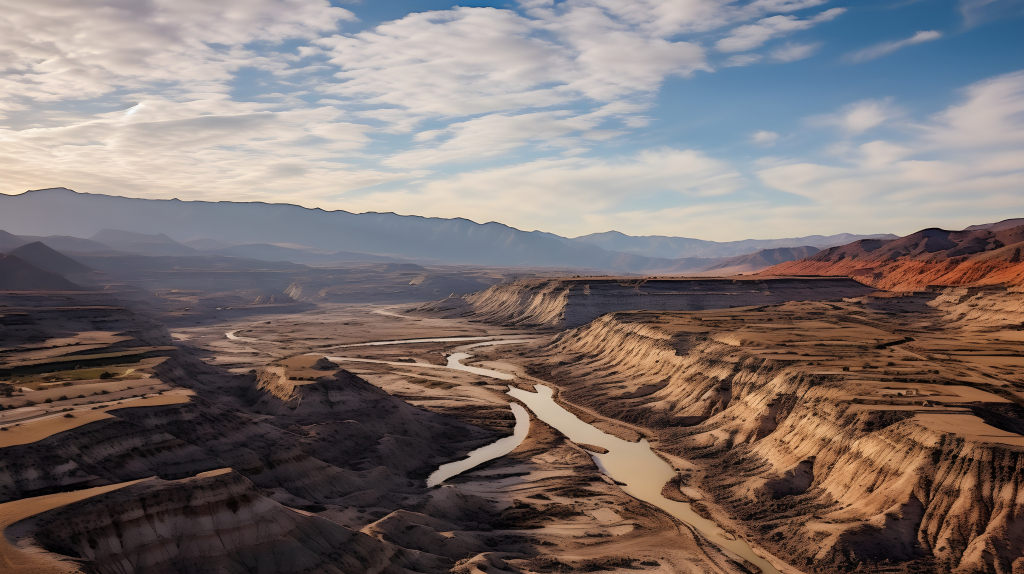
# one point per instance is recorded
(642, 471)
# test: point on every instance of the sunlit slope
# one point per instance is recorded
(987, 256)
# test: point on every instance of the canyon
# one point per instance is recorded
(868, 418)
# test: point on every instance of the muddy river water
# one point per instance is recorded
(641, 470)
(635, 464)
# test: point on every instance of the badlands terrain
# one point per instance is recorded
(859, 410)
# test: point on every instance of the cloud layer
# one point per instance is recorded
(534, 114)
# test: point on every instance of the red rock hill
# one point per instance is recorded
(979, 255)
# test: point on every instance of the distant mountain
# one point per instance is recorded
(206, 243)
(142, 243)
(974, 256)
(759, 260)
(17, 274)
(66, 244)
(457, 241)
(268, 252)
(45, 258)
(680, 247)
(1004, 224)
(9, 241)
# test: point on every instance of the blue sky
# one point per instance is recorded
(702, 118)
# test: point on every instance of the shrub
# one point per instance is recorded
(48, 400)
(106, 375)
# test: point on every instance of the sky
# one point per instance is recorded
(713, 119)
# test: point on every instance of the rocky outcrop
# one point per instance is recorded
(568, 303)
(216, 522)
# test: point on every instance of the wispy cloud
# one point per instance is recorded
(886, 48)
(977, 12)
(962, 160)
(742, 60)
(755, 35)
(55, 51)
(764, 138)
(858, 117)
(791, 52)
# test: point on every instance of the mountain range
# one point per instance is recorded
(63, 219)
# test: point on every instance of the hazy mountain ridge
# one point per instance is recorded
(16, 274)
(48, 259)
(459, 241)
(763, 258)
(680, 247)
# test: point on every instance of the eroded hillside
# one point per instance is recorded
(976, 257)
(875, 433)
(568, 303)
(99, 396)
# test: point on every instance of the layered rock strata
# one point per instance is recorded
(845, 441)
(216, 522)
(569, 303)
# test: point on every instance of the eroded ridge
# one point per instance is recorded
(569, 303)
(846, 435)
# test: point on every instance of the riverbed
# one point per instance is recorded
(639, 468)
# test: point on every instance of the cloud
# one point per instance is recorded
(992, 116)
(469, 61)
(202, 149)
(274, 100)
(765, 138)
(964, 161)
(54, 50)
(858, 117)
(664, 18)
(755, 35)
(562, 195)
(886, 48)
(497, 135)
(791, 52)
(977, 12)
(742, 60)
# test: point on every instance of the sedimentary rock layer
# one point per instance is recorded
(845, 443)
(215, 522)
(568, 303)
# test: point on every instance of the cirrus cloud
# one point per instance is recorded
(886, 48)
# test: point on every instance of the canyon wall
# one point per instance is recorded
(569, 303)
(817, 463)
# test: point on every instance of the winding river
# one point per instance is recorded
(496, 449)
(635, 464)
(641, 470)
